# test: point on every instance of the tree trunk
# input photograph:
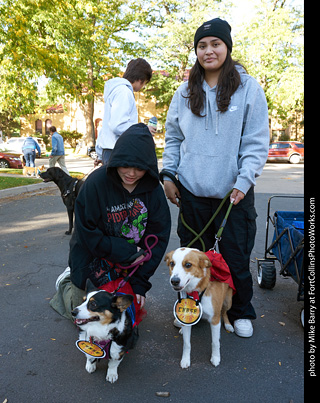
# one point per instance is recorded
(88, 108)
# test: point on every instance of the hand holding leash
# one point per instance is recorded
(147, 256)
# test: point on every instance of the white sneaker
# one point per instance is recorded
(243, 327)
(62, 276)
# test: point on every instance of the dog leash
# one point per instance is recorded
(221, 228)
(198, 236)
(147, 256)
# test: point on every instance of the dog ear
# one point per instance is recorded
(204, 261)
(168, 257)
(90, 286)
(122, 302)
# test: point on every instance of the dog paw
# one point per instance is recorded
(68, 232)
(111, 376)
(185, 363)
(215, 360)
(229, 328)
(90, 367)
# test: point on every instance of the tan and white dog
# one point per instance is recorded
(190, 271)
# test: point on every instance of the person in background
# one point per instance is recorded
(120, 111)
(217, 140)
(57, 153)
(29, 148)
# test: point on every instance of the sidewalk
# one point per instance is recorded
(33, 188)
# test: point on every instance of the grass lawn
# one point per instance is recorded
(11, 182)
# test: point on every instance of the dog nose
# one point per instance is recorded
(175, 281)
(75, 312)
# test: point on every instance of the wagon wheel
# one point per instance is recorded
(266, 275)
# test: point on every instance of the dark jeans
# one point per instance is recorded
(235, 245)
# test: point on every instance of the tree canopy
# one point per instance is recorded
(76, 44)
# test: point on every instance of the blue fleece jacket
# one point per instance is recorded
(57, 144)
(30, 144)
(223, 150)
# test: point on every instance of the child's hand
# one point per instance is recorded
(141, 300)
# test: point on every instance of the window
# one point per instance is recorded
(48, 124)
(39, 126)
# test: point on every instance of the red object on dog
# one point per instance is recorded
(141, 313)
(220, 270)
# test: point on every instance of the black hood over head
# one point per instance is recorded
(135, 148)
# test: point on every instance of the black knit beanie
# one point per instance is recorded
(216, 27)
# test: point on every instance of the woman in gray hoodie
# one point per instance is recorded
(217, 140)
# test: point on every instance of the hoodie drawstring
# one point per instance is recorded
(207, 107)
(207, 114)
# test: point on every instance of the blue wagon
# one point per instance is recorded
(287, 247)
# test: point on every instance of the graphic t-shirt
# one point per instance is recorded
(128, 220)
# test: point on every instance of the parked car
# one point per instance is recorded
(289, 151)
(10, 160)
(15, 144)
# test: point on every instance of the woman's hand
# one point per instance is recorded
(172, 192)
(236, 196)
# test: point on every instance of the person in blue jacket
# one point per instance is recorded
(57, 152)
(29, 148)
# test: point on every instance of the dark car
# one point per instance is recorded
(10, 160)
(91, 151)
(288, 151)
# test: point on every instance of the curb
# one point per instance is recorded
(26, 189)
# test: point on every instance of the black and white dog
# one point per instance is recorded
(103, 319)
(69, 188)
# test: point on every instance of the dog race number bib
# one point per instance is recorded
(90, 349)
(187, 311)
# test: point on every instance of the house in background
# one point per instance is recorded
(69, 116)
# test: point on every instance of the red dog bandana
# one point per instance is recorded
(220, 270)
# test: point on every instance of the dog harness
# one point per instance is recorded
(68, 191)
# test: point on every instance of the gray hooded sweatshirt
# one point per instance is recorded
(222, 150)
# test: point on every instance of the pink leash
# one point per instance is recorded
(147, 257)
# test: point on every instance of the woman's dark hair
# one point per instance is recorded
(138, 69)
(228, 82)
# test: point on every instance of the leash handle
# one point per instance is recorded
(164, 172)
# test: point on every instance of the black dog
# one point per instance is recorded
(69, 188)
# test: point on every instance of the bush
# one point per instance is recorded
(71, 137)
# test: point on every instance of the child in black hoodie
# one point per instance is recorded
(116, 209)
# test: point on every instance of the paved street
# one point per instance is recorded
(39, 361)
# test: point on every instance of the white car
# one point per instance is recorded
(15, 144)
